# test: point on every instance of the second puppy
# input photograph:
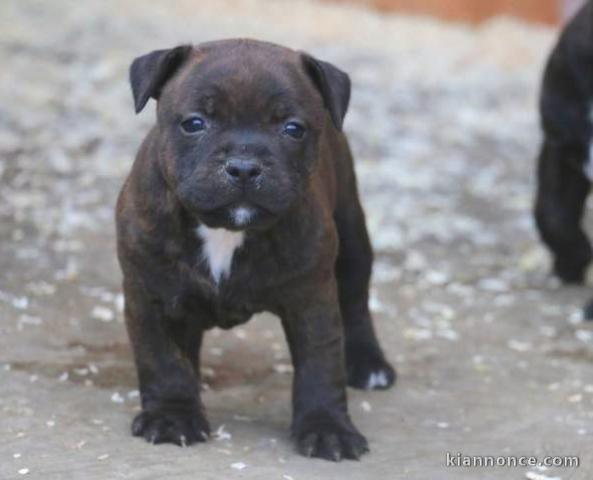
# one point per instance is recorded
(565, 167)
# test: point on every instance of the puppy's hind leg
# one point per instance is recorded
(365, 361)
(561, 194)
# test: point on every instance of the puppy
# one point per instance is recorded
(243, 199)
(565, 167)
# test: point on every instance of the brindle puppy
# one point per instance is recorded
(242, 199)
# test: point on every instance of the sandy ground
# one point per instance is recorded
(492, 355)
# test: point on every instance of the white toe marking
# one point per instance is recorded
(219, 246)
(377, 379)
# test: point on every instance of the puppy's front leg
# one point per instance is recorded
(321, 424)
(167, 360)
(561, 195)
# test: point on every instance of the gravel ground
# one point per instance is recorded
(492, 355)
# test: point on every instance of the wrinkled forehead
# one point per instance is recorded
(246, 80)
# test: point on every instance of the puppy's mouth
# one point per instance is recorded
(237, 216)
(219, 206)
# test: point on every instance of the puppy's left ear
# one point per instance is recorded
(333, 84)
(150, 72)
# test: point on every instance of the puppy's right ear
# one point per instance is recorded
(150, 72)
(333, 84)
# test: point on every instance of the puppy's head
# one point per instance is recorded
(239, 123)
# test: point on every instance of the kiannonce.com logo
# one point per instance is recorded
(492, 461)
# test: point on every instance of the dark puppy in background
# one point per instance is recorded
(565, 169)
(242, 199)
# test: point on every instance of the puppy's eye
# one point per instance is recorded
(294, 130)
(193, 125)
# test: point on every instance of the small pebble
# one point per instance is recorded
(283, 368)
(436, 278)
(102, 313)
(576, 398)
(448, 334)
(493, 285)
(576, 317)
(240, 333)
(117, 398)
(133, 394)
(417, 334)
(584, 335)
(242, 418)
(119, 302)
(539, 476)
(519, 346)
(375, 304)
(222, 434)
(21, 304)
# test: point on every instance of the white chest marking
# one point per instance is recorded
(218, 248)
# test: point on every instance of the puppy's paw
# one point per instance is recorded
(322, 436)
(369, 371)
(571, 271)
(163, 426)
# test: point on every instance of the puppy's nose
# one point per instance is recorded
(243, 171)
